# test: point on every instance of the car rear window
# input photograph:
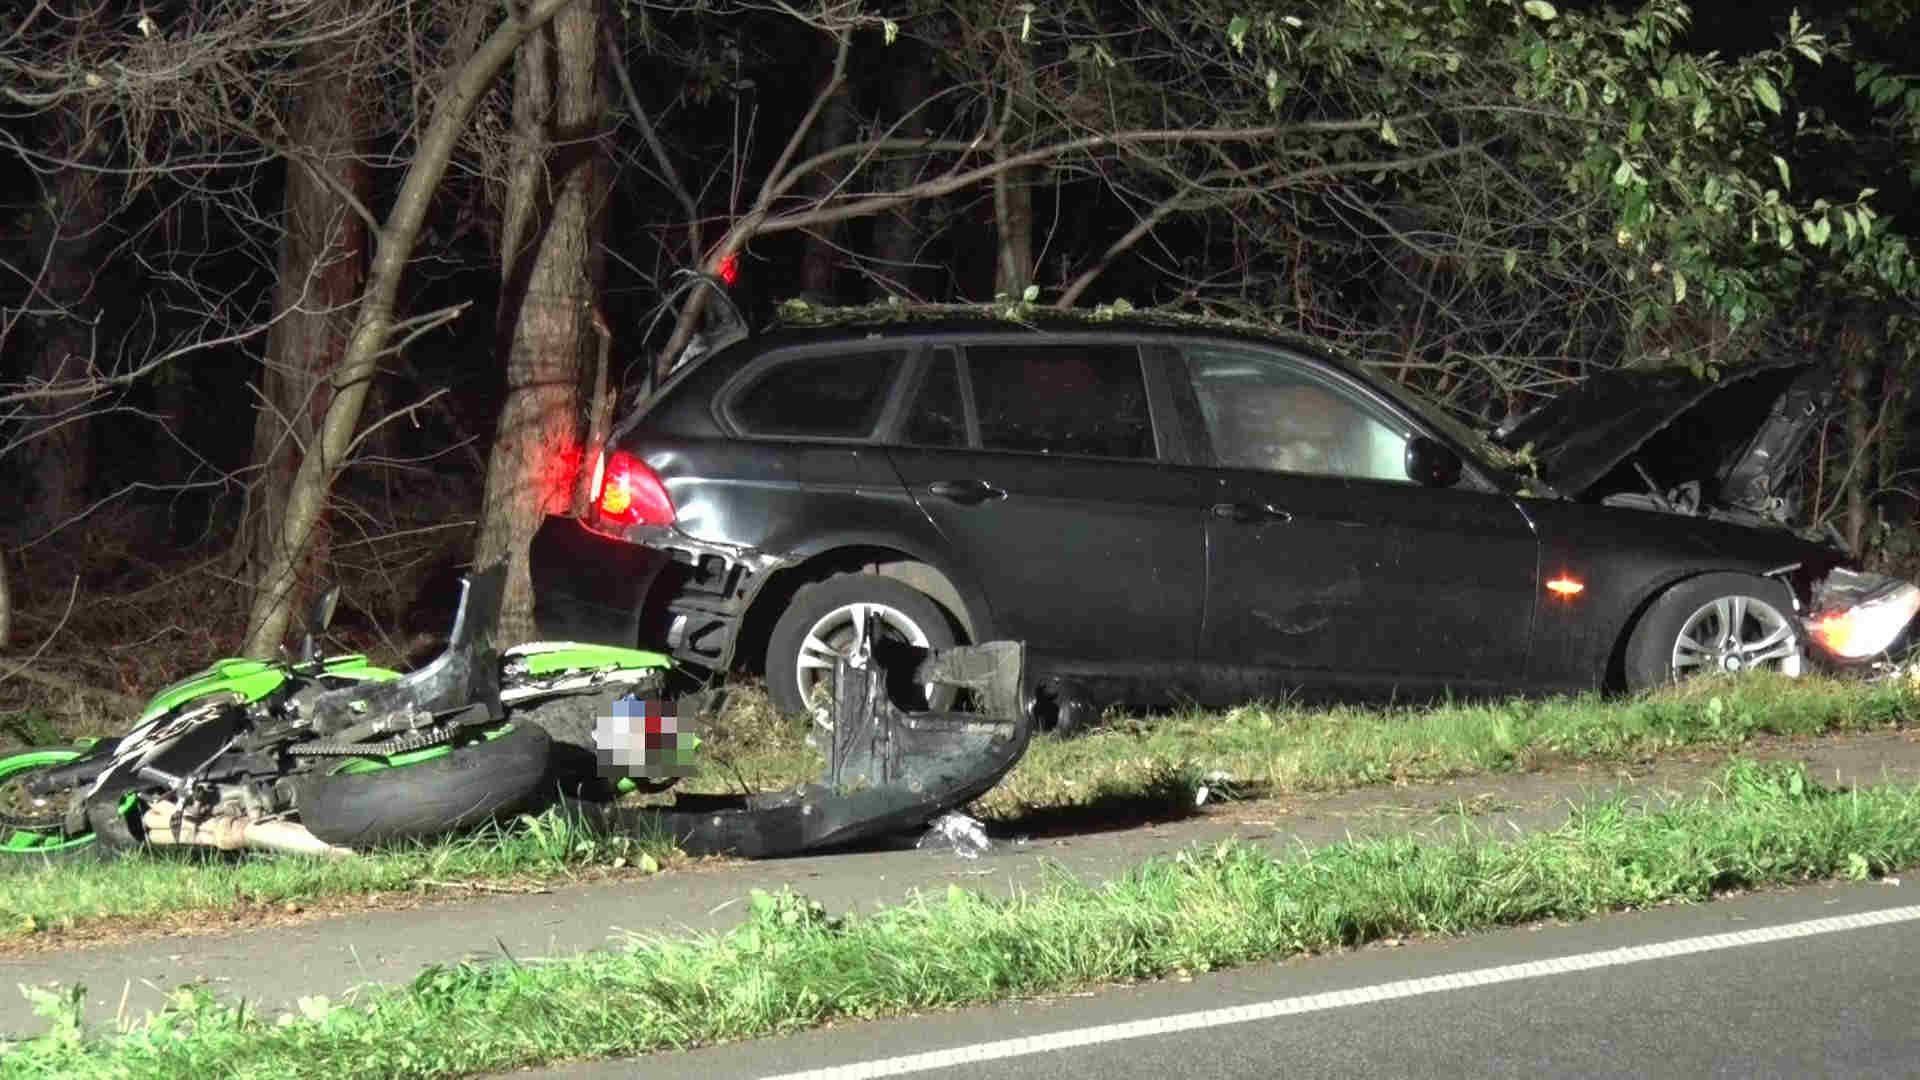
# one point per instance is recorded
(836, 395)
(1083, 399)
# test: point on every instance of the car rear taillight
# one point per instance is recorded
(631, 493)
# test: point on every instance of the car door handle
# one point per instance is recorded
(965, 492)
(1251, 513)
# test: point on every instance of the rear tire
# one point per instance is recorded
(466, 786)
(819, 623)
(1715, 623)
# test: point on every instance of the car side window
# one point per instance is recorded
(1265, 412)
(939, 416)
(835, 395)
(1087, 400)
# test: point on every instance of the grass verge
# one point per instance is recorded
(43, 895)
(1259, 750)
(1127, 763)
(791, 965)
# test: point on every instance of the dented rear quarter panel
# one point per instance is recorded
(748, 509)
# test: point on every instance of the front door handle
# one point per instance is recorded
(1242, 513)
(965, 492)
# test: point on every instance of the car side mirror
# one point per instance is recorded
(1431, 464)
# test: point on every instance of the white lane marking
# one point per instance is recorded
(1338, 999)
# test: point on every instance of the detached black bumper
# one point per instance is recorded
(887, 771)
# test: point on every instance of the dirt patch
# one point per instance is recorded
(253, 915)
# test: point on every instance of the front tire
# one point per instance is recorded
(32, 826)
(1725, 623)
(827, 619)
(354, 806)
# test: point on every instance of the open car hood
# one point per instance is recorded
(1738, 437)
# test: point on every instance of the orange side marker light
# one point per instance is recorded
(1566, 586)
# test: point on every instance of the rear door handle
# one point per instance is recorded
(965, 492)
(1251, 513)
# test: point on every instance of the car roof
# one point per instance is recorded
(796, 322)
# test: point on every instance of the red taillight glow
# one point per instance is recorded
(631, 494)
(1566, 586)
(728, 269)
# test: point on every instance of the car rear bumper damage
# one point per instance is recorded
(653, 585)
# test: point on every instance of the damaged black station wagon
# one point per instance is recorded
(1165, 511)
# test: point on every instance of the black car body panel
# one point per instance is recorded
(1352, 581)
(1147, 561)
(1118, 568)
(1624, 558)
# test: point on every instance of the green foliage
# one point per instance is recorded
(1585, 180)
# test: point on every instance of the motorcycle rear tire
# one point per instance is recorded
(466, 786)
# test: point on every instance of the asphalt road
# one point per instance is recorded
(1819, 981)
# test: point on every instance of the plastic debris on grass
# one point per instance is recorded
(965, 836)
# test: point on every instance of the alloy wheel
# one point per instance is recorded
(1731, 634)
(850, 630)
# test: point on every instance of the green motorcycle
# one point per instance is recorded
(322, 756)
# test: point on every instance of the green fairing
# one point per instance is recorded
(252, 680)
(590, 657)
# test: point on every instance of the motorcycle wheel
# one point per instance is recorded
(30, 825)
(367, 801)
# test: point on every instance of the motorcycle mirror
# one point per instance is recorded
(319, 617)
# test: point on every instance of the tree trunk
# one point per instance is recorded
(552, 269)
(1013, 188)
(322, 260)
(1013, 217)
(1854, 355)
(896, 235)
(373, 322)
(67, 231)
(6, 603)
(821, 255)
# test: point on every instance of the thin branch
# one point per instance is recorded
(25, 669)
(670, 177)
(873, 204)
